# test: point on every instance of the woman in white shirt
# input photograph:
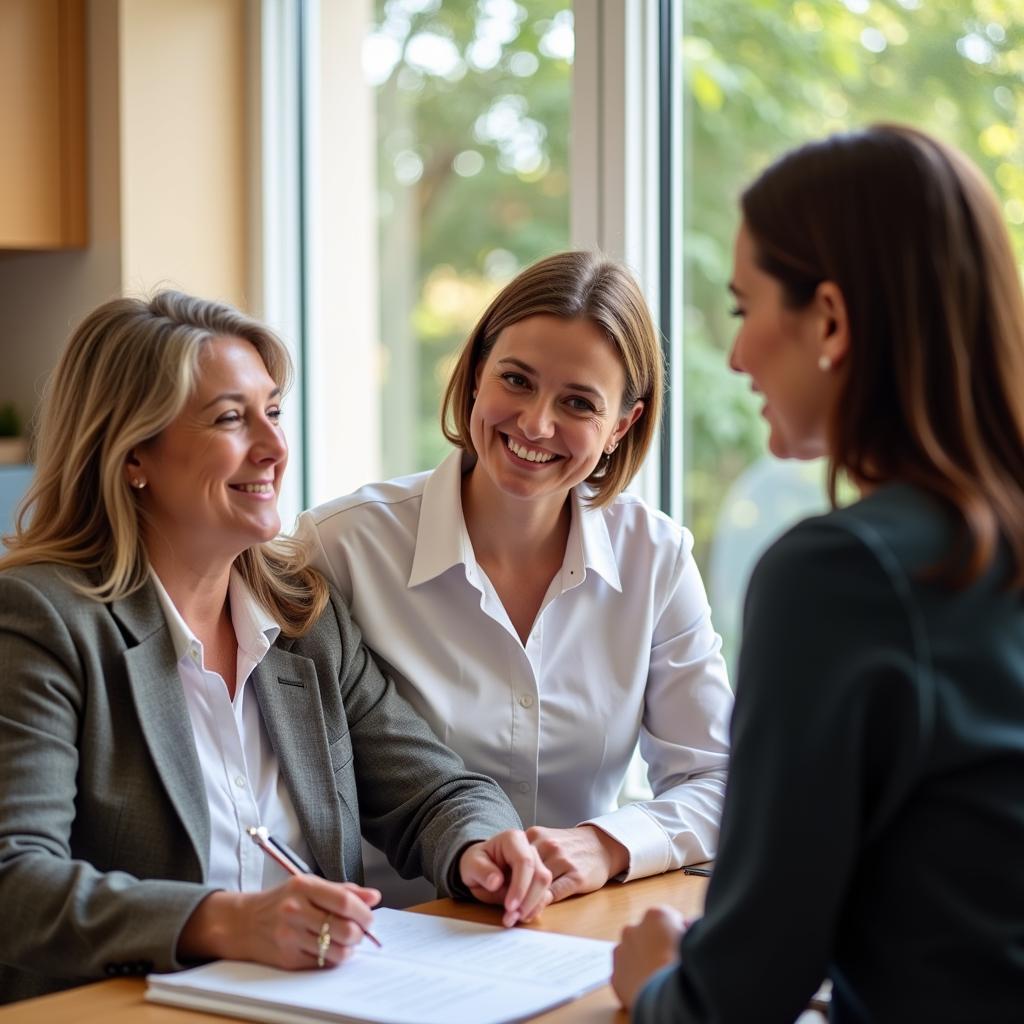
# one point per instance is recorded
(541, 620)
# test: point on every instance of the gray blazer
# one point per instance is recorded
(104, 827)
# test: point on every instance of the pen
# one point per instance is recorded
(691, 870)
(291, 862)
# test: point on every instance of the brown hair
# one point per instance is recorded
(931, 388)
(571, 285)
(125, 374)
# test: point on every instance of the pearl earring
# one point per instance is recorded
(824, 364)
(138, 483)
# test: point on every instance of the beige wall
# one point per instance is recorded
(167, 179)
(183, 146)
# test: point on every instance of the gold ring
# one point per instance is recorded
(323, 942)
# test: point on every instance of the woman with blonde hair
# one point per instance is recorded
(874, 821)
(171, 676)
(542, 620)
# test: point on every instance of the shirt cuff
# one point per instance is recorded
(649, 848)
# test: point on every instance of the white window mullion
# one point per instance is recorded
(615, 202)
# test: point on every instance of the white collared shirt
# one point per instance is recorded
(243, 782)
(622, 649)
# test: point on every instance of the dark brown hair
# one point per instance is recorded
(570, 285)
(932, 388)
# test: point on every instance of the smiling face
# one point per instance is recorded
(214, 473)
(548, 403)
(780, 348)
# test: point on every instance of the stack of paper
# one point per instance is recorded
(430, 970)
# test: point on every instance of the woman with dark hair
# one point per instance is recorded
(540, 619)
(874, 818)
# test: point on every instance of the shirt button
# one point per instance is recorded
(524, 787)
(240, 781)
(526, 701)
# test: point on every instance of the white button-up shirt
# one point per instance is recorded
(622, 649)
(243, 782)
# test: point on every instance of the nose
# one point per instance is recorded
(269, 445)
(536, 419)
(734, 360)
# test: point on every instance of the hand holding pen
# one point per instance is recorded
(304, 921)
(288, 859)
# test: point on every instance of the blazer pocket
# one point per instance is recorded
(341, 753)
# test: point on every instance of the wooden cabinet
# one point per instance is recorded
(42, 124)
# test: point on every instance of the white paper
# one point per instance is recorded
(431, 970)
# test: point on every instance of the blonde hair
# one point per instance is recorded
(570, 285)
(126, 373)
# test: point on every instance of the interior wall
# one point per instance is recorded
(184, 147)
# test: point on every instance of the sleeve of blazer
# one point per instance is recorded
(417, 800)
(63, 918)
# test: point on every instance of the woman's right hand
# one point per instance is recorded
(281, 926)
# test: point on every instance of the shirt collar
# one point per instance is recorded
(442, 540)
(589, 545)
(255, 628)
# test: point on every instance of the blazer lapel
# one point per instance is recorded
(162, 711)
(289, 695)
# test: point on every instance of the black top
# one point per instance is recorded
(874, 820)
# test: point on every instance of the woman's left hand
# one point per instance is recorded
(507, 869)
(580, 859)
(645, 948)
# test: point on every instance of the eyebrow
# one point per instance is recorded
(587, 388)
(236, 396)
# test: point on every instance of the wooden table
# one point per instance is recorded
(599, 915)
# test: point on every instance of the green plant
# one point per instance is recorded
(10, 421)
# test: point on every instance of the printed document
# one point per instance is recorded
(430, 970)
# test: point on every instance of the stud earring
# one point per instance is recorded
(138, 483)
(824, 364)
